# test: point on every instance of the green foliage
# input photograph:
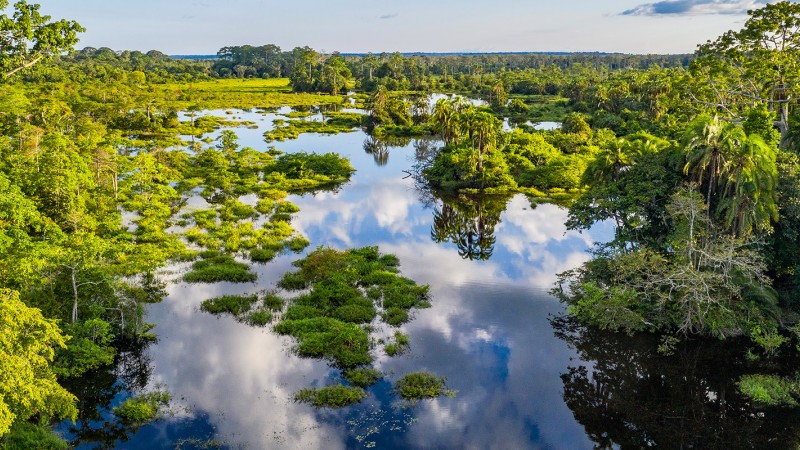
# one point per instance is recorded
(421, 385)
(708, 283)
(326, 321)
(230, 304)
(292, 129)
(26, 435)
(29, 385)
(770, 390)
(335, 396)
(31, 37)
(362, 377)
(142, 408)
(219, 268)
(88, 348)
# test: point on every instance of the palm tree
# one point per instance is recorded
(611, 162)
(708, 148)
(749, 196)
(444, 113)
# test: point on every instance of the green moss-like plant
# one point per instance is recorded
(273, 302)
(258, 318)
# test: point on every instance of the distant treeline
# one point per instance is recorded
(306, 66)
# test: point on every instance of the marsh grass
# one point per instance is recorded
(219, 268)
(362, 377)
(142, 408)
(292, 129)
(335, 396)
(348, 290)
(421, 385)
(231, 304)
(770, 390)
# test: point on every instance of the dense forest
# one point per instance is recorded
(694, 158)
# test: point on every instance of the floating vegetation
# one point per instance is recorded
(231, 304)
(292, 129)
(335, 396)
(420, 385)
(345, 119)
(142, 408)
(400, 345)
(770, 390)
(347, 289)
(225, 173)
(244, 308)
(346, 292)
(219, 268)
(363, 377)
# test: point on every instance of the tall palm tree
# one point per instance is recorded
(709, 144)
(749, 197)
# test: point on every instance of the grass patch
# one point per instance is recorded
(400, 345)
(219, 268)
(142, 408)
(230, 304)
(292, 129)
(420, 385)
(770, 390)
(335, 396)
(362, 377)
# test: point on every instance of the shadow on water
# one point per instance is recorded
(627, 394)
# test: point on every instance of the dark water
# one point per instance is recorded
(524, 378)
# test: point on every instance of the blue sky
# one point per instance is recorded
(203, 26)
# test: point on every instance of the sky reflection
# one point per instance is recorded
(487, 331)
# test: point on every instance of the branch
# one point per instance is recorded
(24, 66)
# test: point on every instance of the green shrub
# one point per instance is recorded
(770, 390)
(25, 436)
(273, 302)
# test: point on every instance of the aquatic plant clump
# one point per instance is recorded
(219, 268)
(231, 304)
(335, 396)
(770, 390)
(244, 308)
(291, 129)
(142, 408)
(422, 385)
(362, 377)
(347, 289)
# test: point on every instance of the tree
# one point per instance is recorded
(335, 75)
(29, 385)
(749, 198)
(721, 156)
(27, 37)
(760, 63)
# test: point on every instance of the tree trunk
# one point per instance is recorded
(75, 295)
